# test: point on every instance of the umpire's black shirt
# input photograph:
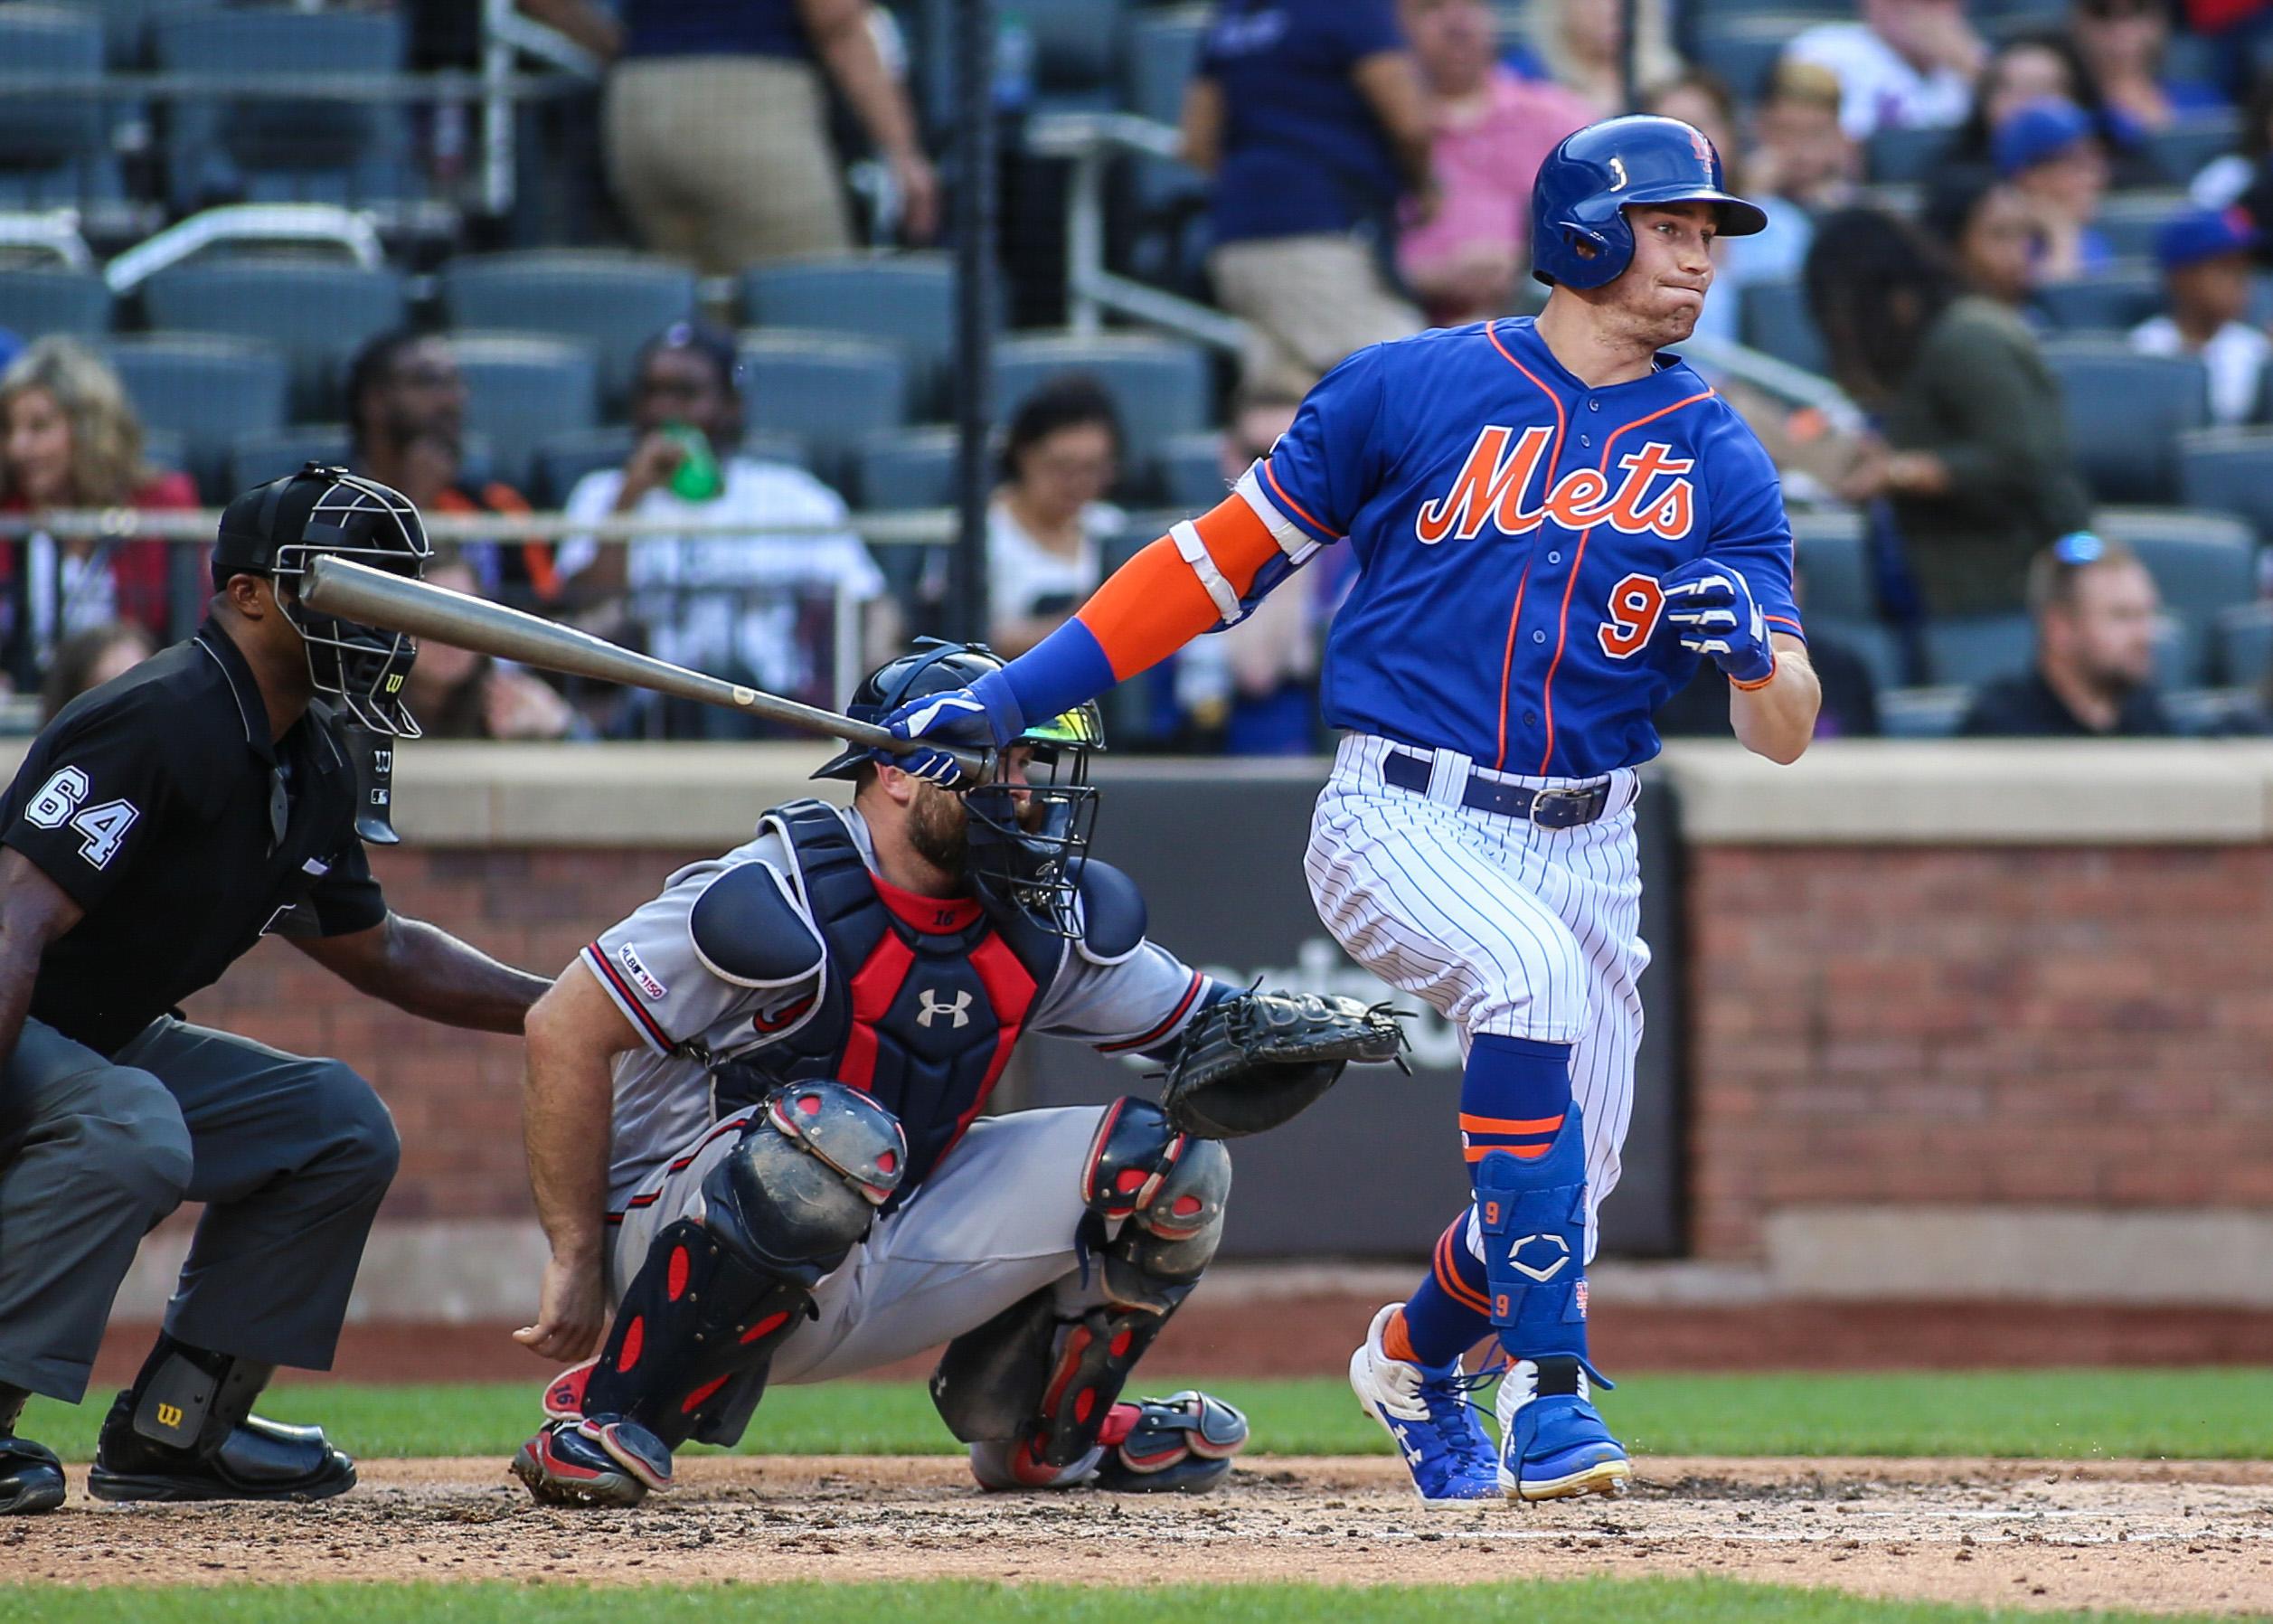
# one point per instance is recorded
(159, 803)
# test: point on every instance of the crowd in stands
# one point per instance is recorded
(2023, 237)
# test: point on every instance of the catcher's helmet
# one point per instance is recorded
(273, 530)
(1026, 841)
(1594, 175)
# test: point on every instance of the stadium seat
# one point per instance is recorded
(1833, 560)
(1904, 156)
(912, 469)
(2183, 150)
(907, 300)
(36, 302)
(210, 390)
(2130, 220)
(284, 151)
(2213, 712)
(613, 302)
(1774, 318)
(2229, 470)
(1967, 650)
(521, 391)
(1074, 43)
(2202, 564)
(830, 392)
(1163, 50)
(319, 312)
(1869, 641)
(1161, 386)
(2125, 411)
(256, 458)
(164, 448)
(53, 153)
(2244, 644)
(1191, 472)
(2114, 301)
(1741, 47)
(1923, 713)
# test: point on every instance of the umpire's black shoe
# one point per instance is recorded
(258, 1460)
(30, 1477)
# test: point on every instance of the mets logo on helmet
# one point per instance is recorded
(1703, 148)
(1653, 495)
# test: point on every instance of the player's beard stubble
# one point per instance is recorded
(939, 829)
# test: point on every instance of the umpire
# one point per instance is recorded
(159, 827)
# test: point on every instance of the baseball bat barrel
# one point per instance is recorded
(348, 590)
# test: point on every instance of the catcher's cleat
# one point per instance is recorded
(1554, 1443)
(564, 1393)
(257, 1460)
(1428, 1412)
(600, 1460)
(1182, 1444)
(30, 1477)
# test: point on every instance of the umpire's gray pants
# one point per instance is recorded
(290, 1156)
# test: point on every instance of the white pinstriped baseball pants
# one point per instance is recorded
(1500, 925)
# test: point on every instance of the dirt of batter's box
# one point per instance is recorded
(2191, 1537)
(1224, 1334)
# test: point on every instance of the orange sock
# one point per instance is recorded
(1395, 1343)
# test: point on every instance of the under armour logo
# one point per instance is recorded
(1559, 1256)
(959, 1009)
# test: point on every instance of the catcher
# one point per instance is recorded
(754, 1132)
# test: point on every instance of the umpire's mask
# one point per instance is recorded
(277, 529)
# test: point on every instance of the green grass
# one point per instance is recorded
(2202, 1415)
(1628, 1600)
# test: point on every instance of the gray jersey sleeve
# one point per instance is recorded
(676, 999)
(1125, 1007)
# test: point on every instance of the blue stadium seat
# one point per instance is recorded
(164, 448)
(1191, 471)
(256, 458)
(907, 300)
(2130, 220)
(1904, 156)
(211, 390)
(1923, 713)
(2229, 470)
(2186, 147)
(2114, 301)
(1075, 42)
(2202, 564)
(1161, 386)
(2244, 643)
(1967, 650)
(1871, 642)
(1163, 50)
(1774, 318)
(319, 312)
(914, 467)
(53, 153)
(613, 302)
(521, 391)
(831, 392)
(35, 302)
(1833, 560)
(1741, 47)
(2125, 411)
(285, 151)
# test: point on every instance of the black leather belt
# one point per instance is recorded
(1549, 809)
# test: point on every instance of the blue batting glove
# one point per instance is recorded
(1712, 608)
(961, 716)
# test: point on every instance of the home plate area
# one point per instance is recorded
(2179, 1537)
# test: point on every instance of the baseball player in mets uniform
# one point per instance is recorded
(1553, 521)
(754, 1133)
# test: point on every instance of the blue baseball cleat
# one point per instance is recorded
(1428, 1412)
(1554, 1442)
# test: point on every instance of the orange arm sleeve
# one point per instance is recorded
(1156, 602)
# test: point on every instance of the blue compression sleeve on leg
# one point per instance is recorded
(1447, 1316)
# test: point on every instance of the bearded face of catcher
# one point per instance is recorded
(939, 820)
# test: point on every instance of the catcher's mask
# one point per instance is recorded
(1028, 828)
(275, 530)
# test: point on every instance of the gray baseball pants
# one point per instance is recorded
(291, 1156)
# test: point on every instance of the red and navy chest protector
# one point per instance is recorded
(921, 998)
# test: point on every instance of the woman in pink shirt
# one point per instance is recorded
(1492, 130)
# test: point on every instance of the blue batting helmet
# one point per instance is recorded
(1579, 200)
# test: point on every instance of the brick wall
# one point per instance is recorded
(1982, 1026)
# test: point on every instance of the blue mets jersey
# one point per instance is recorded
(1511, 524)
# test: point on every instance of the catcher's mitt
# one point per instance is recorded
(1257, 1060)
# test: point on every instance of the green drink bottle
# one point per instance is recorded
(697, 477)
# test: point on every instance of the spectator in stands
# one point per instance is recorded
(1802, 156)
(68, 439)
(456, 694)
(1049, 522)
(1493, 127)
(91, 657)
(757, 606)
(1968, 471)
(2039, 66)
(1252, 690)
(717, 129)
(1580, 44)
(406, 428)
(1907, 64)
(1312, 119)
(2124, 41)
(2052, 154)
(2206, 260)
(2097, 612)
(1989, 232)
